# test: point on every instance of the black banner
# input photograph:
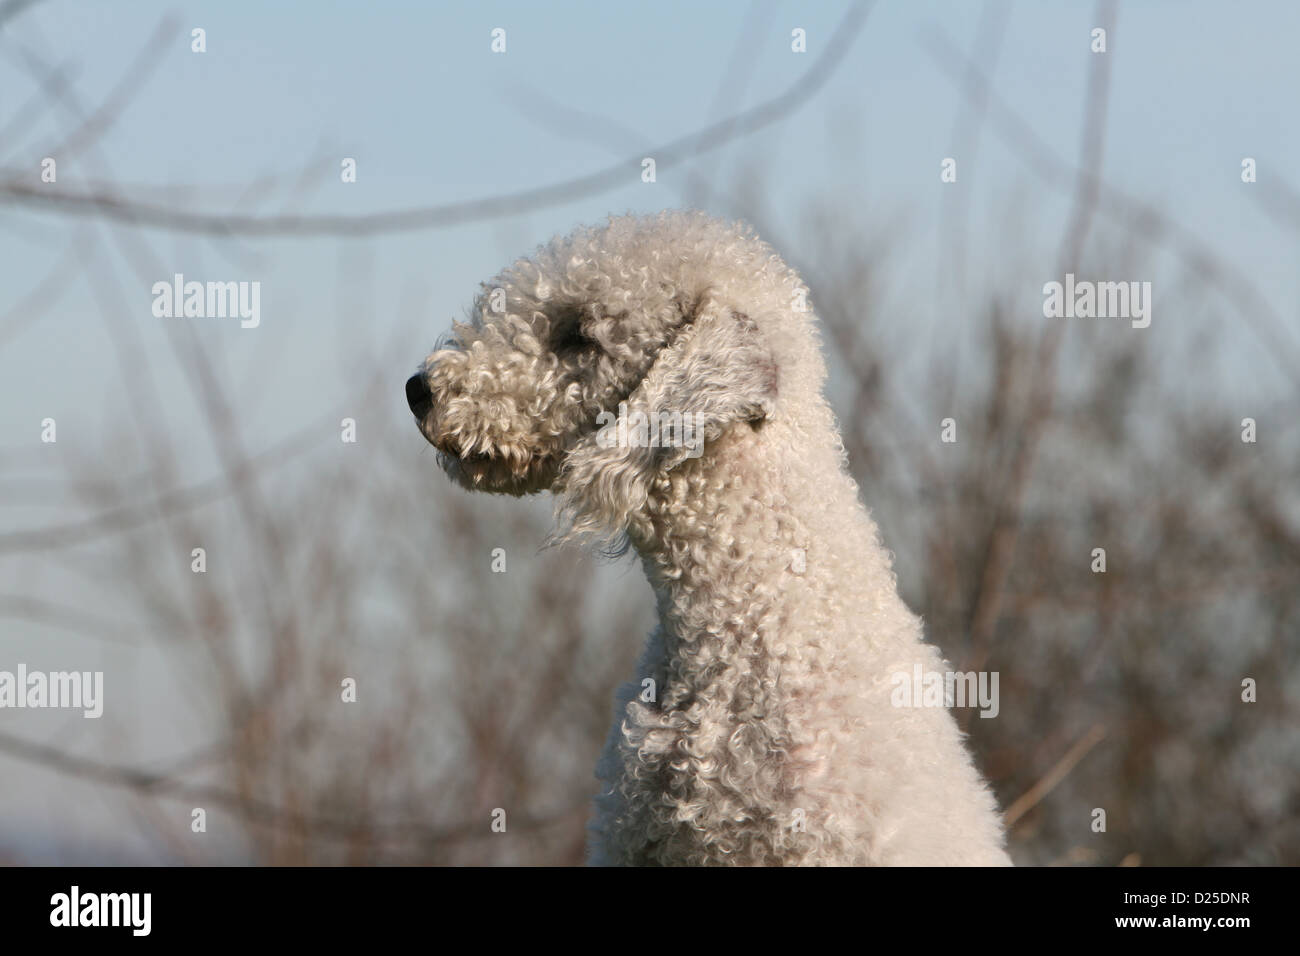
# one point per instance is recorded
(333, 905)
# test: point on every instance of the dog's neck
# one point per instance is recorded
(722, 539)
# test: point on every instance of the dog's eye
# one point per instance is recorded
(569, 339)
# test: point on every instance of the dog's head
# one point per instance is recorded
(640, 316)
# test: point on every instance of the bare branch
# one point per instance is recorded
(1058, 772)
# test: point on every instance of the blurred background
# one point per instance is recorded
(827, 127)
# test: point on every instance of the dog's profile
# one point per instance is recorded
(663, 377)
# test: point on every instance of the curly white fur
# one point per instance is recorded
(768, 735)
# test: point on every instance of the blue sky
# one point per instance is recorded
(413, 92)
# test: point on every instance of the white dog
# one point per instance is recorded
(761, 726)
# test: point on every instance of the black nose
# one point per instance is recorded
(419, 397)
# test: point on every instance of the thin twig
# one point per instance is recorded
(1034, 795)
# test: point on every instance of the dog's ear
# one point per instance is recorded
(715, 374)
